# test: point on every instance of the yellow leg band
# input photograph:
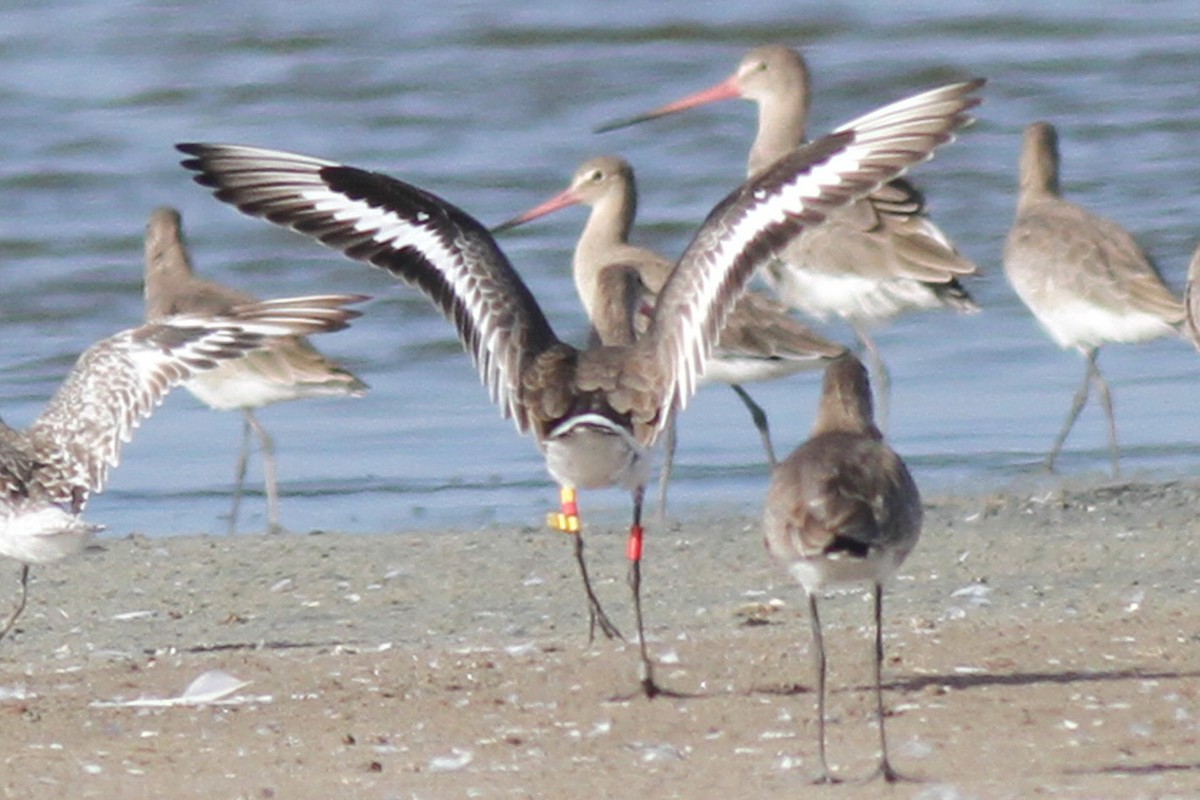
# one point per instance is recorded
(567, 518)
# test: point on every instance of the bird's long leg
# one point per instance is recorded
(818, 645)
(12, 619)
(885, 765)
(568, 521)
(1077, 404)
(634, 553)
(270, 473)
(760, 421)
(239, 476)
(1106, 401)
(670, 438)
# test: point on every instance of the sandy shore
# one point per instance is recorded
(1042, 645)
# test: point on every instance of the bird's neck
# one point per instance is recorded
(604, 235)
(781, 121)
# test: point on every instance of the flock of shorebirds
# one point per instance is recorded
(828, 223)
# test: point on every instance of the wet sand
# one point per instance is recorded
(1039, 644)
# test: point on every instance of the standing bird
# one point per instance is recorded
(48, 470)
(843, 509)
(289, 369)
(595, 412)
(871, 260)
(1084, 277)
(760, 340)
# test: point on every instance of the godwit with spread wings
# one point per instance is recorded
(594, 412)
(760, 340)
(49, 470)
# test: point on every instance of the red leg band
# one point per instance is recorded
(633, 548)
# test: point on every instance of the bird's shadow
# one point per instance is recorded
(1137, 770)
(959, 681)
(1065, 677)
(982, 680)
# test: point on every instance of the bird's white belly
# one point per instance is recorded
(589, 453)
(735, 369)
(851, 297)
(1076, 323)
(232, 386)
(817, 574)
(42, 536)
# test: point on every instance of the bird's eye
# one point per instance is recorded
(597, 175)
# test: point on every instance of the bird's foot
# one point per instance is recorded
(825, 778)
(890, 775)
(597, 618)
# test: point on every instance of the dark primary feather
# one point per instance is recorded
(505, 336)
(898, 198)
(454, 260)
(677, 299)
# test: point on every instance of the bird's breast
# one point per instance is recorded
(591, 451)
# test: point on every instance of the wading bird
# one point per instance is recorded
(875, 258)
(289, 368)
(595, 412)
(49, 470)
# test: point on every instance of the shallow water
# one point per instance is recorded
(492, 107)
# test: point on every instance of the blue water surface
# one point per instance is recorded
(491, 105)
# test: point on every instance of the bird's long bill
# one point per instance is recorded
(567, 197)
(725, 90)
